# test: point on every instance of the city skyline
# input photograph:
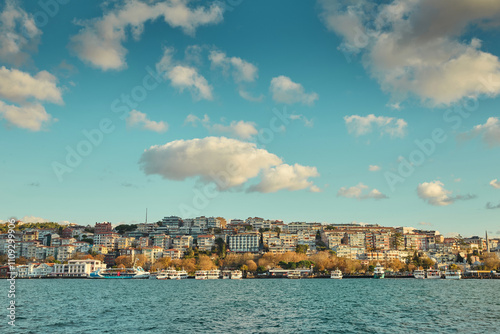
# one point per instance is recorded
(327, 112)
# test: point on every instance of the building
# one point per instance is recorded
(182, 242)
(244, 242)
(173, 253)
(101, 228)
(206, 242)
(152, 253)
(171, 222)
(107, 239)
(77, 268)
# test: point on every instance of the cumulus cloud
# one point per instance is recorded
(434, 193)
(373, 168)
(489, 132)
(362, 125)
(287, 177)
(309, 123)
(239, 129)
(27, 93)
(184, 76)
(284, 90)
(100, 41)
(139, 119)
(242, 71)
(19, 35)
(229, 163)
(420, 48)
(492, 206)
(33, 219)
(360, 192)
(495, 184)
(249, 97)
(425, 224)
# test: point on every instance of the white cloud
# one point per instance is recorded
(183, 76)
(229, 163)
(492, 206)
(373, 168)
(360, 192)
(249, 97)
(425, 224)
(284, 90)
(309, 123)
(19, 34)
(489, 132)
(100, 41)
(242, 71)
(434, 193)
(239, 129)
(139, 119)
(27, 92)
(495, 184)
(287, 177)
(418, 47)
(33, 219)
(362, 125)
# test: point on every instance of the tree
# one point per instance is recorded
(251, 265)
(491, 261)
(50, 259)
(205, 263)
(125, 260)
(302, 249)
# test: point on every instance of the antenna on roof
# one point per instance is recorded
(146, 216)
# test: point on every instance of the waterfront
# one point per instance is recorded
(255, 306)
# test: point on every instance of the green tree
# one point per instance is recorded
(301, 249)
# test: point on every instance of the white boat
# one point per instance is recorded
(433, 274)
(453, 274)
(178, 274)
(419, 274)
(236, 274)
(120, 273)
(165, 274)
(226, 274)
(213, 274)
(379, 271)
(294, 274)
(201, 274)
(336, 274)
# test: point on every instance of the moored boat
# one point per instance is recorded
(379, 272)
(419, 274)
(213, 274)
(201, 274)
(453, 274)
(433, 274)
(336, 274)
(226, 274)
(236, 274)
(120, 273)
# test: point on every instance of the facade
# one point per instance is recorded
(101, 228)
(244, 242)
(206, 242)
(77, 268)
(182, 242)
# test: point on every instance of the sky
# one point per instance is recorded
(329, 111)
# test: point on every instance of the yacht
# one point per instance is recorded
(336, 274)
(453, 274)
(201, 274)
(213, 274)
(420, 274)
(120, 273)
(236, 274)
(433, 274)
(379, 271)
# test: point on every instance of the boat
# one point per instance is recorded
(178, 274)
(226, 274)
(336, 274)
(213, 274)
(433, 274)
(294, 274)
(201, 274)
(164, 274)
(419, 274)
(120, 273)
(236, 274)
(379, 271)
(453, 274)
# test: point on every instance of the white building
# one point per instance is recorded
(244, 242)
(77, 268)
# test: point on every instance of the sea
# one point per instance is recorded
(253, 306)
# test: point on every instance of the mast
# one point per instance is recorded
(146, 216)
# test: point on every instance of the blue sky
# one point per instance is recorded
(360, 83)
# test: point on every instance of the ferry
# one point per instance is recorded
(379, 271)
(178, 274)
(120, 273)
(294, 274)
(201, 274)
(336, 274)
(226, 274)
(213, 274)
(433, 274)
(236, 274)
(419, 274)
(453, 274)
(164, 274)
